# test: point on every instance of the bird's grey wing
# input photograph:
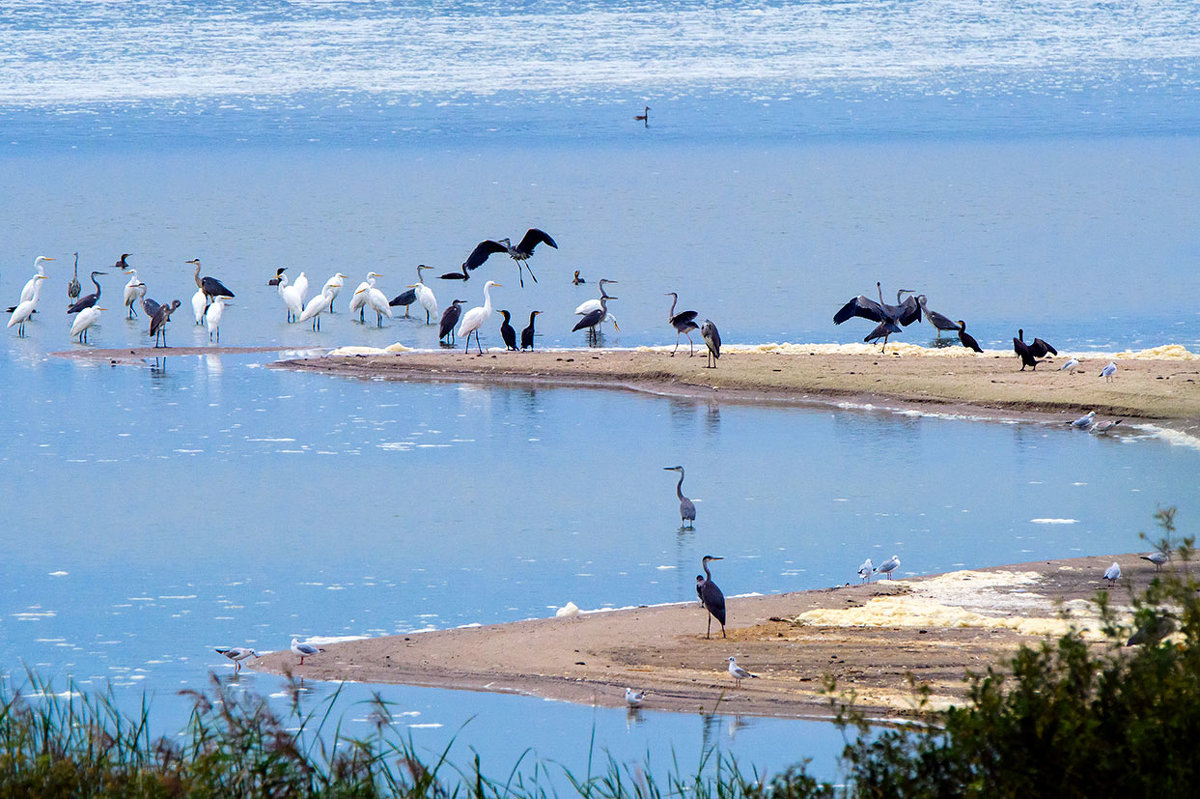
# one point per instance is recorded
(683, 317)
(589, 320)
(532, 238)
(150, 306)
(481, 253)
(714, 600)
(404, 298)
(940, 321)
(885, 327)
(910, 311)
(710, 333)
(862, 306)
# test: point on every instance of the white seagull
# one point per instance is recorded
(1113, 573)
(237, 654)
(1105, 427)
(634, 698)
(1157, 558)
(864, 571)
(888, 566)
(738, 673)
(304, 650)
(1084, 422)
(1108, 371)
(1069, 366)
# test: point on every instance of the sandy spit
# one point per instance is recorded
(1159, 386)
(870, 638)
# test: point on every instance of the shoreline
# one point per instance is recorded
(1161, 391)
(870, 638)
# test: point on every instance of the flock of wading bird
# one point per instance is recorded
(212, 297)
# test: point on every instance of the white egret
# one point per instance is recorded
(158, 321)
(24, 309)
(888, 566)
(738, 673)
(302, 284)
(474, 319)
(291, 295)
(304, 650)
(334, 286)
(135, 289)
(592, 320)
(318, 304)
(33, 285)
(84, 321)
(359, 301)
(237, 654)
(199, 305)
(425, 296)
(213, 319)
(378, 303)
(587, 306)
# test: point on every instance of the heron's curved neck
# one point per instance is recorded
(77, 266)
(487, 300)
(707, 573)
(671, 315)
(199, 285)
(96, 283)
(679, 493)
(283, 282)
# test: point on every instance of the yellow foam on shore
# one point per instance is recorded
(356, 350)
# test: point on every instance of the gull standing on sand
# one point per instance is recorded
(304, 650)
(711, 597)
(1069, 366)
(634, 698)
(888, 566)
(1113, 572)
(1084, 422)
(687, 508)
(738, 673)
(1108, 371)
(864, 571)
(237, 654)
(1157, 558)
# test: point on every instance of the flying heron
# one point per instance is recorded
(88, 300)
(711, 597)
(891, 318)
(473, 319)
(712, 341)
(527, 333)
(684, 323)
(304, 650)
(508, 332)
(521, 253)
(687, 508)
(449, 320)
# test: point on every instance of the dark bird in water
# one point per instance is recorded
(644, 117)
(577, 280)
(88, 300)
(521, 253)
(711, 597)
(158, 322)
(684, 323)
(939, 321)
(712, 340)
(966, 338)
(120, 264)
(449, 320)
(1029, 353)
(507, 332)
(592, 319)
(463, 275)
(687, 508)
(891, 318)
(73, 288)
(209, 285)
(527, 333)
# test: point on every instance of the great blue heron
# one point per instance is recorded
(24, 309)
(684, 323)
(158, 321)
(587, 306)
(865, 570)
(210, 286)
(888, 566)
(212, 319)
(592, 319)
(891, 318)
(527, 333)
(237, 654)
(711, 597)
(88, 300)
(134, 290)
(712, 341)
(687, 508)
(150, 307)
(473, 319)
(939, 321)
(966, 339)
(507, 332)
(73, 288)
(643, 117)
(314, 308)
(738, 673)
(521, 253)
(449, 320)
(1108, 371)
(1084, 422)
(305, 650)
(84, 321)
(1113, 572)
(1159, 559)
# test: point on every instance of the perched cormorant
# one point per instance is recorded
(527, 333)
(507, 332)
(966, 338)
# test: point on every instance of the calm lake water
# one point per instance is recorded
(1024, 165)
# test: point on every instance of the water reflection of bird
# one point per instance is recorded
(966, 339)
(712, 341)
(711, 597)
(891, 318)
(508, 332)
(88, 300)
(24, 309)
(449, 320)
(634, 698)
(1113, 572)
(687, 508)
(84, 321)
(73, 288)
(527, 333)
(158, 322)
(888, 566)
(237, 654)
(684, 322)
(1108, 371)
(738, 673)
(864, 571)
(304, 650)
(473, 319)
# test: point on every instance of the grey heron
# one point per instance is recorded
(587, 306)
(73, 288)
(712, 341)
(738, 673)
(521, 252)
(210, 286)
(966, 339)
(88, 300)
(939, 321)
(507, 332)
(684, 323)
(449, 320)
(473, 319)
(304, 650)
(687, 508)
(158, 321)
(711, 597)
(888, 566)
(592, 319)
(149, 306)
(527, 333)
(891, 318)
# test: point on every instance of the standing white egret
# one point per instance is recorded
(378, 303)
(474, 319)
(304, 650)
(199, 305)
(302, 285)
(318, 304)
(687, 508)
(587, 306)
(738, 673)
(84, 321)
(213, 319)
(135, 289)
(25, 308)
(334, 286)
(359, 301)
(425, 296)
(293, 298)
(33, 285)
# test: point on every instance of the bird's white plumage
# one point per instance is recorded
(888, 566)
(427, 299)
(34, 284)
(213, 317)
(198, 304)
(1069, 366)
(132, 288)
(864, 571)
(359, 300)
(634, 698)
(317, 305)
(85, 319)
(301, 285)
(1113, 572)
(473, 319)
(292, 297)
(1084, 422)
(737, 672)
(1108, 371)
(25, 308)
(304, 650)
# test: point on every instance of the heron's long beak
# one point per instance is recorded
(618, 327)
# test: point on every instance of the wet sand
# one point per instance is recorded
(869, 638)
(1156, 386)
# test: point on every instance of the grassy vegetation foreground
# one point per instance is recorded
(1064, 719)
